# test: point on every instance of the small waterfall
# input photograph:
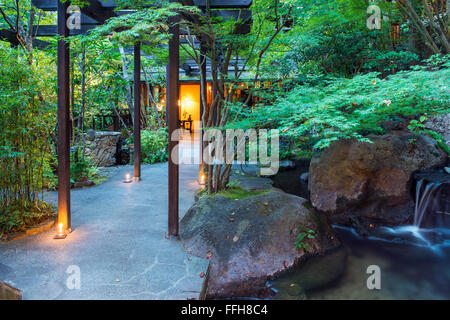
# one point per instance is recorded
(424, 194)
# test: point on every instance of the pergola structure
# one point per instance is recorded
(96, 12)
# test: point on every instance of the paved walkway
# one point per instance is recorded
(118, 242)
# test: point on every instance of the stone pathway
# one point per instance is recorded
(118, 243)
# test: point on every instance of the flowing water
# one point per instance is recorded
(424, 195)
(414, 260)
(414, 264)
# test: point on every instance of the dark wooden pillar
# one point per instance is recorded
(172, 94)
(137, 111)
(63, 118)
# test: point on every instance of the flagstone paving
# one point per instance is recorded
(118, 243)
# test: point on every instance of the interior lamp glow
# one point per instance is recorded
(61, 234)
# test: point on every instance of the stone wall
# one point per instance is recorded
(101, 147)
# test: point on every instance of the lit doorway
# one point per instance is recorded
(189, 108)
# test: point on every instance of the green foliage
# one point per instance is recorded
(439, 139)
(18, 217)
(79, 170)
(418, 127)
(389, 61)
(154, 145)
(144, 25)
(352, 108)
(327, 37)
(27, 109)
(302, 236)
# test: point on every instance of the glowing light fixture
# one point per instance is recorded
(159, 106)
(61, 234)
(127, 178)
(202, 178)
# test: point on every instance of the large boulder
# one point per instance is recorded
(251, 240)
(372, 182)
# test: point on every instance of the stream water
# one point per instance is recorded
(413, 264)
(413, 260)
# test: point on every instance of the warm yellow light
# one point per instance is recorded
(187, 103)
(60, 229)
(202, 178)
(160, 105)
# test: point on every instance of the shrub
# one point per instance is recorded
(27, 109)
(153, 145)
(344, 108)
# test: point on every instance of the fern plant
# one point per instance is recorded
(302, 236)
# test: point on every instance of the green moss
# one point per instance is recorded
(240, 193)
(308, 205)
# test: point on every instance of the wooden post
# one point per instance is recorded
(137, 111)
(63, 118)
(172, 93)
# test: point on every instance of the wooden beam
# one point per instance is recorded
(52, 30)
(46, 5)
(233, 15)
(63, 118)
(137, 111)
(172, 94)
(50, 5)
(224, 4)
(98, 10)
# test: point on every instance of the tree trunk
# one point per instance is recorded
(126, 76)
(150, 97)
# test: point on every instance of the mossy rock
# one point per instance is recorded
(251, 239)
